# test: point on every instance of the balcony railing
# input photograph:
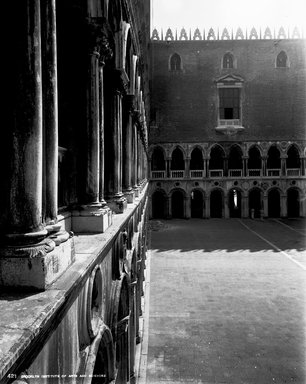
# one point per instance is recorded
(273, 172)
(216, 173)
(177, 174)
(157, 174)
(235, 172)
(254, 172)
(293, 172)
(197, 174)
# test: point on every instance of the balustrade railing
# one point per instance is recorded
(197, 174)
(235, 172)
(216, 173)
(177, 174)
(273, 172)
(157, 174)
(293, 172)
(254, 172)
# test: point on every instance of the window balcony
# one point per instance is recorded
(197, 174)
(157, 174)
(229, 126)
(235, 172)
(254, 172)
(273, 172)
(216, 173)
(293, 172)
(177, 174)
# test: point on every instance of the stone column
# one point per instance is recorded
(207, 207)
(168, 168)
(50, 111)
(264, 166)
(135, 161)
(265, 206)
(303, 166)
(283, 165)
(245, 166)
(127, 148)
(116, 201)
(206, 167)
(225, 209)
(169, 207)
(187, 201)
(225, 166)
(283, 205)
(139, 160)
(187, 167)
(244, 207)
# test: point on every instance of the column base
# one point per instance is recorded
(118, 205)
(91, 219)
(36, 266)
(136, 190)
(129, 195)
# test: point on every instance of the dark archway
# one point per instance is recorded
(273, 161)
(216, 203)
(196, 160)
(228, 61)
(175, 62)
(177, 204)
(254, 160)
(235, 158)
(234, 203)
(158, 205)
(274, 203)
(293, 203)
(216, 160)
(255, 202)
(158, 160)
(197, 204)
(293, 158)
(177, 160)
(282, 60)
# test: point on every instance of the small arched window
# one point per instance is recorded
(228, 61)
(175, 62)
(282, 60)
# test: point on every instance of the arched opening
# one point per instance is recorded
(273, 162)
(254, 162)
(282, 60)
(158, 160)
(177, 160)
(293, 203)
(228, 61)
(196, 160)
(234, 203)
(216, 161)
(158, 205)
(175, 62)
(293, 161)
(103, 371)
(177, 204)
(255, 203)
(216, 203)
(197, 204)
(235, 161)
(274, 203)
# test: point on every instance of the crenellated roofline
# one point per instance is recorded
(227, 34)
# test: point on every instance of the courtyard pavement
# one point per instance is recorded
(225, 302)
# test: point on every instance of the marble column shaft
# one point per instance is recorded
(127, 143)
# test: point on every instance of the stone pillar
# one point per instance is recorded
(168, 168)
(139, 153)
(206, 168)
(187, 203)
(50, 111)
(116, 201)
(283, 205)
(25, 250)
(265, 206)
(207, 207)
(303, 166)
(93, 215)
(245, 166)
(225, 209)
(225, 166)
(244, 207)
(264, 166)
(169, 207)
(187, 167)
(127, 148)
(283, 165)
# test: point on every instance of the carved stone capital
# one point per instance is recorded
(98, 39)
(28, 251)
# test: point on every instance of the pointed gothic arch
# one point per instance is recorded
(282, 60)
(175, 62)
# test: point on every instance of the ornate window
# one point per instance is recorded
(228, 61)
(282, 60)
(175, 62)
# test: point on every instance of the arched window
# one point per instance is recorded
(293, 158)
(282, 60)
(175, 62)
(177, 161)
(228, 61)
(196, 161)
(254, 161)
(158, 160)
(273, 160)
(235, 158)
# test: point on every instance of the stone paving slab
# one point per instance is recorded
(225, 306)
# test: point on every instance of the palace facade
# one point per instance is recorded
(73, 194)
(228, 119)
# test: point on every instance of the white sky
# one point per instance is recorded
(228, 13)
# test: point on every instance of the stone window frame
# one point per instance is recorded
(287, 60)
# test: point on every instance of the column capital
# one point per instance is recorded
(98, 42)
